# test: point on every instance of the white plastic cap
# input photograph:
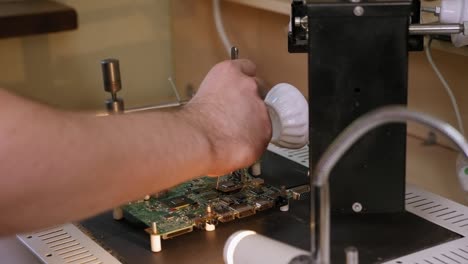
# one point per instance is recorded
(117, 213)
(209, 227)
(284, 208)
(289, 114)
(155, 243)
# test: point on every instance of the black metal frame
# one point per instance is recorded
(358, 61)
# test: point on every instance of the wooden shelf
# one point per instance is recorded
(277, 6)
(29, 17)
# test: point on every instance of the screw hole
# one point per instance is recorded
(49, 255)
(399, 262)
(29, 237)
(357, 90)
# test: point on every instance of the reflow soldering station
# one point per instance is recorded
(332, 186)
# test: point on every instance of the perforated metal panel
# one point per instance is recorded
(439, 210)
(445, 213)
(66, 244)
(300, 156)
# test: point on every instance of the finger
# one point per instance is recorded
(246, 66)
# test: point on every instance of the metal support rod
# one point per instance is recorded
(415, 29)
(154, 107)
(147, 108)
(174, 89)
(436, 29)
(320, 229)
(234, 53)
(352, 255)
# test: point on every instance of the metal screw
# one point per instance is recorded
(301, 22)
(429, 9)
(357, 207)
(297, 21)
(355, 1)
(234, 53)
(154, 228)
(358, 11)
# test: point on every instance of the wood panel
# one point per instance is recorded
(22, 18)
(261, 37)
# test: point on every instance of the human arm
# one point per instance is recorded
(62, 166)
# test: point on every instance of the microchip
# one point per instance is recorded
(178, 202)
(227, 200)
(257, 191)
(229, 186)
(210, 196)
(240, 196)
(200, 190)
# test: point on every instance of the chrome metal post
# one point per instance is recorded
(435, 29)
(320, 230)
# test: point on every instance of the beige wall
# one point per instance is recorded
(262, 36)
(63, 68)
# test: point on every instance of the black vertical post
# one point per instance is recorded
(358, 61)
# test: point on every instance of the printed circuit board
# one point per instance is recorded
(193, 204)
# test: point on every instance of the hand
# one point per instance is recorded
(229, 111)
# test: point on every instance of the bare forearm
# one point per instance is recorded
(57, 166)
(80, 165)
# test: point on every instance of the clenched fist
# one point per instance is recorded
(233, 117)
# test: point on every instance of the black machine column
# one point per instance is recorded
(358, 61)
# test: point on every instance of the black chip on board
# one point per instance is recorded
(178, 202)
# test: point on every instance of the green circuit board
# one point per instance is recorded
(191, 204)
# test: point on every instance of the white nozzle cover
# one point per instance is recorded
(289, 115)
(455, 11)
(210, 227)
(248, 247)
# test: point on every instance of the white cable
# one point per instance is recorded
(220, 27)
(446, 86)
